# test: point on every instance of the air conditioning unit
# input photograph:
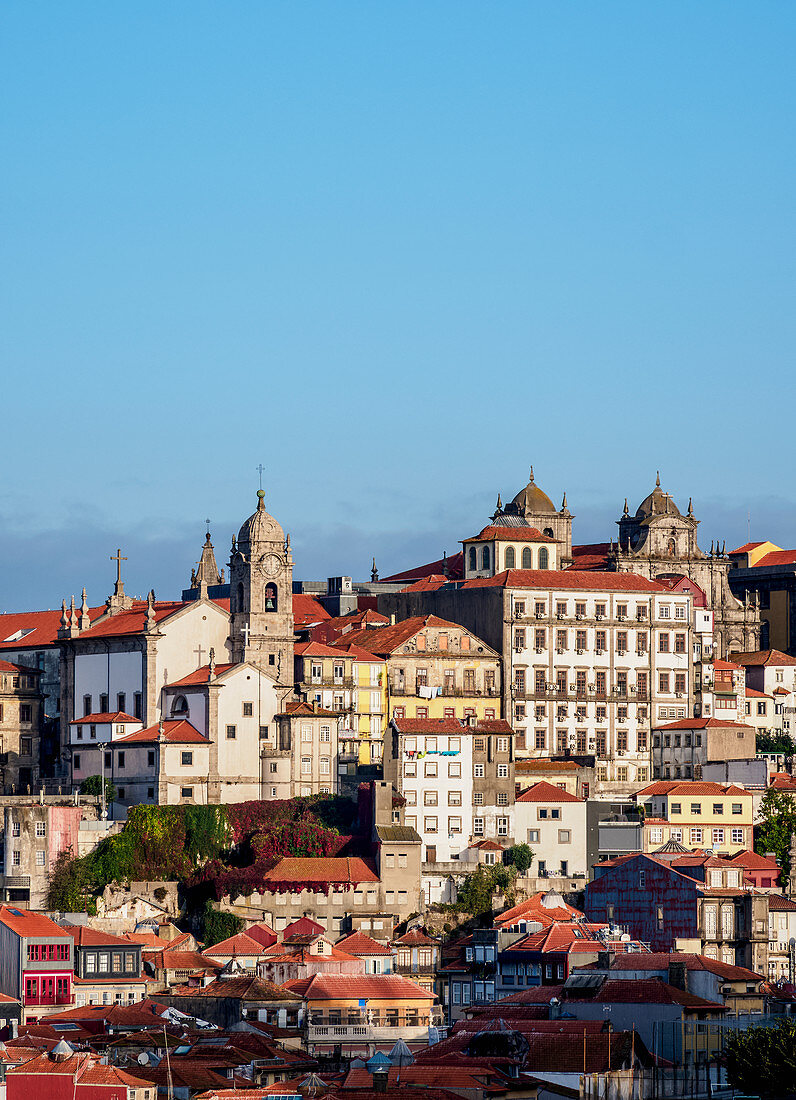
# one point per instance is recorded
(559, 651)
(599, 652)
(560, 615)
(518, 649)
(632, 690)
(621, 719)
(591, 687)
(539, 649)
(621, 651)
(679, 694)
(579, 617)
(580, 652)
(591, 746)
(620, 752)
(621, 616)
(599, 616)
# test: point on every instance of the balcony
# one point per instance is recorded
(333, 682)
(359, 1029)
(15, 882)
(53, 999)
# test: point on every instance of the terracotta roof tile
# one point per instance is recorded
(25, 922)
(331, 987)
(332, 869)
(387, 639)
(105, 718)
(514, 534)
(177, 731)
(764, 657)
(200, 676)
(563, 580)
(546, 792)
(37, 628)
(360, 944)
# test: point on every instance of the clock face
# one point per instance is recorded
(269, 564)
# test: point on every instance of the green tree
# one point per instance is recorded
(218, 925)
(475, 893)
(519, 856)
(775, 742)
(762, 1060)
(777, 825)
(70, 885)
(92, 785)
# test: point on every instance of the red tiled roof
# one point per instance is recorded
(455, 726)
(132, 621)
(360, 944)
(307, 610)
(336, 869)
(239, 989)
(562, 581)
(363, 656)
(781, 781)
(262, 933)
(332, 987)
(659, 960)
(141, 1014)
(239, 944)
(779, 904)
(91, 937)
(105, 718)
(454, 564)
(532, 909)
(546, 792)
(546, 766)
(776, 557)
(304, 926)
(747, 546)
(705, 724)
(148, 939)
(726, 666)
(165, 959)
(27, 923)
(387, 639)
(559, 938)
(428, 584)
(513, 534)
(308, 710)
(773, 657)
(486, 846)
(83, 1067)
(42, 627)
(200, 676)
(416, 938)
(751, 693)
(754, 861)
(593, 555)
(342, 625)
(690, 787)
(177, 731)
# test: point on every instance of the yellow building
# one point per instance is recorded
(436, 669)
(700, 816)
(351, 681)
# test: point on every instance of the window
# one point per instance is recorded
(306, 765)
(137, 704)
(737, 808)
(410, 769)
(564, 836)
(502, 771)
(675, 808)
(248, 710)
(104, 962)
(454, 770)
(430, 824)
(41, 828)
(120, 760)
(478, 771)
(663, 643)
(91, 963)
(429, 798)
(430, 769)
(187, 759)
(186, 792)
(86, 705)
(663, 682)
(696, 836)
(76, 760)
(478, 798)
(232, 733)
(454, 798)
(737, 836)
(40, 859)
(103, 704)
(79, 732)
(503, 826)
(718, 836)
(478, 826)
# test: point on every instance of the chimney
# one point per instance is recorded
(392, 619)
(604, 960)
(380, 1078)
(678, 974)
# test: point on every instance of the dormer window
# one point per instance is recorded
(180, 706)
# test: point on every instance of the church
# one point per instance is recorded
(192, 700)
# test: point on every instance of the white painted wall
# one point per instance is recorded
(547, 847)
(107, 673)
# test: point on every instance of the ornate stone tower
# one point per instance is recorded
(532, 507)
(261, 595)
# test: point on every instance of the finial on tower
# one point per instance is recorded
(261, 500)
(211, 664)
(626, 511)
(657, 479)
(374, 573)
(499, 505)
(531, 477)
(85, 620)
(690, 511)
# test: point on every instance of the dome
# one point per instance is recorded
(260, 527)
(532, 499)
(657, 503)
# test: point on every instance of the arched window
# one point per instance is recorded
(672, 548)
(527, 558)
(544, 558)
(549, 532)
(180, 706)
(485, 558)
(473, 560)
(240, 597)
(509, 557)
(270, 597)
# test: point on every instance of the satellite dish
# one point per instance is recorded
(143, 1060)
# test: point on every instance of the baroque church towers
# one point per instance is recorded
(261, 595)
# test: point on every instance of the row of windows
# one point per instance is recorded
(509, 558)
(737, 836)
(48, 952)
(40, 829)
(114, 962)
(430, 798)
(563, 639)
(564, 836)
(582, 741)
(431, 770)
(324, 765)
(696, 808)
(121, 703)
(431, 824)
(563, 684)
(538, 608)
(448, 712)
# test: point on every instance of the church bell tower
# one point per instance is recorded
(261, 595)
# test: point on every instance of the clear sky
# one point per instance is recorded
(395, 252)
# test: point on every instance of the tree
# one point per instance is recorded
(70, 885)
(777, 826)
(218, 925)
(475, 893)
(93, 785)
(775, 742)
(519, 856)
(762, 1060)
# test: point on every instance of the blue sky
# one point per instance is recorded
(396, 252)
